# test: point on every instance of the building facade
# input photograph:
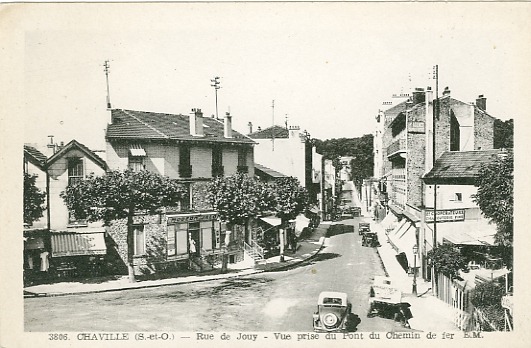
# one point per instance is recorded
(192, 149)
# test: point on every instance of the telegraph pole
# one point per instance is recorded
(215, 84)
(106, 70)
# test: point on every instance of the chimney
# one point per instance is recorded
(259, 129)
(446, 91)
(481, 102)
(196, 123)
(418, 96)
(250, 124)
(228, 125)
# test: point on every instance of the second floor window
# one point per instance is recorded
(136, 164)
(185, 168)
(217, 161)
(75, 170)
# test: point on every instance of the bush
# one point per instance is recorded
(447, 260)
(486, 295)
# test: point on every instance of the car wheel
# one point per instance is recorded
(330, 320)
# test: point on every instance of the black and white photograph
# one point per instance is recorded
(264, 173)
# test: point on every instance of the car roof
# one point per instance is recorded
(332, 294)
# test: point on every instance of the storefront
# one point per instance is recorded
(76, 254)
(36, 254)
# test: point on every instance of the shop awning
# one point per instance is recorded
(77, 244)
(137, 151)
(403, 238)
(272, 220)
(466, 232)
(389, 221)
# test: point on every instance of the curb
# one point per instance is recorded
(236, 275)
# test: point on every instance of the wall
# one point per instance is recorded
(483, 130)
(58, 173)
(416, 150)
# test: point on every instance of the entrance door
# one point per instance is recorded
(194, 233)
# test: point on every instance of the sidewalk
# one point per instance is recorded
(306, 250)
(429, 313)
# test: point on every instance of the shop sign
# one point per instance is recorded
(192, 218)
(446, 215)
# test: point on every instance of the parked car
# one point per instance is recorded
(370, 239)
(364, 227)
(334, 313)
(386, 301)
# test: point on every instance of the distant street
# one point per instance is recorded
(277, 301)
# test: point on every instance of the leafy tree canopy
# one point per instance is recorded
(495, 196)
(33, 199)
(290, 198)
(239, 197)
(503, 134)
(447, 260)
(118, 194)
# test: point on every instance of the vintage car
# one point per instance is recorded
(386, 301)
(364, 227)
(333, 313)
(370, 239)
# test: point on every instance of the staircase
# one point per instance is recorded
(254, 251)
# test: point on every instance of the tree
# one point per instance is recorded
(33, 199)
(447, 260)
(503, 134)
(290, 198)
(238, 198)
(119, 195)
(495, 199)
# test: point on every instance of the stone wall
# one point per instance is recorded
(483, 130)
(199, 196)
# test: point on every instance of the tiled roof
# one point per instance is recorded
(38, 156)
(278, 131)
(268, 171)
(75, 144)
(142, 125)
(460, 164)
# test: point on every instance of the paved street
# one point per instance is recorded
(276, 301)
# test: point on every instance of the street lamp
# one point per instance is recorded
(415, 252)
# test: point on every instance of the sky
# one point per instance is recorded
(327, 66)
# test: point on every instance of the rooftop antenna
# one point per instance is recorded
(215, 84)
(106, 67)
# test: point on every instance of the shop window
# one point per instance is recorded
(75, 170)
(139, 240)
(177, 241)
(207, 241)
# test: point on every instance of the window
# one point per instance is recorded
(177, 242)
(455, 133)
(217, 161)
(185, 169)
(75, 170)
(139, 240)
(458, 197)
(242, 160)
(136, 163)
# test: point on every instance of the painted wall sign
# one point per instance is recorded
(446, 215)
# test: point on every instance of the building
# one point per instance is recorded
(193, 149)
(407, 144)
(64, 244)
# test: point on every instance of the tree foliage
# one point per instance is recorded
(119, 194)
(495, 196)
(33, 199)
(503, 134)
(447, 260)
(361, 149)
(239, 197)
(290, 198)
(487, 294)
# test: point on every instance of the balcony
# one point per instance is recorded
(398, 147)
(243, 169)
(217, 171)
(185, 171)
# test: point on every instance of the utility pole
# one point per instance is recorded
(106, 70)
(273, 125)
(215, 84)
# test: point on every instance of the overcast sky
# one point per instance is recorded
(328, 66)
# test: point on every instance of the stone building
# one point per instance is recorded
(193, 149)
(407, 154)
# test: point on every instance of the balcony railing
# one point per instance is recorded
(185, 171)
(396, 147)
